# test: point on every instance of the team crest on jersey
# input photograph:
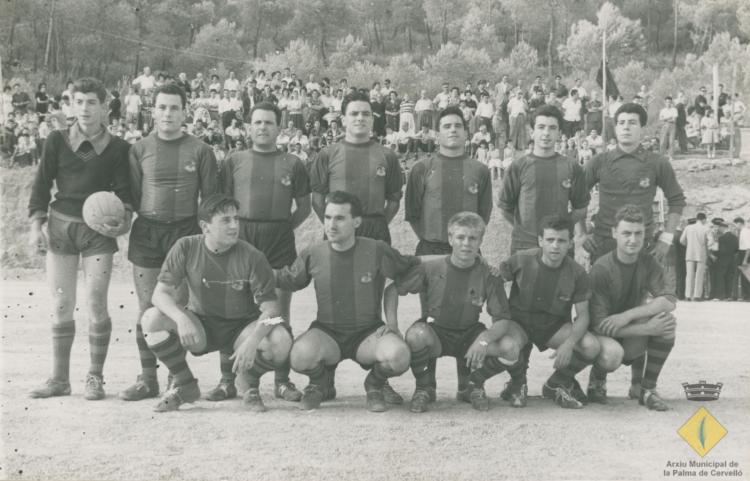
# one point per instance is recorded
(380, 171)
(473, 188)
(566, 184)
(190, 167)
(476, 298)
(238, 285)
(286, 181)
(366, 278)
(645, 182)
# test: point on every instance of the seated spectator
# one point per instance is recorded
(426, 138)
(133, 135)
(336, 132)
(481, 135)
(585, 153)
(299, 152)
(391, 139)
(595, 141)
(405, 139)
(482, 153)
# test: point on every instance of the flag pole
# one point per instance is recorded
(605, 107)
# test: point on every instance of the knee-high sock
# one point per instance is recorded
(148, 359)
(226, 365)
(518, 370)
(636, 369)
(657, 351)
(62, 342)
(172, 354)
(318, 375)
(490, 367)
(566, 375)
(462, 373)
(420, 366)
(99, 335)
(281, 373)
(260, 367)
(377, 377)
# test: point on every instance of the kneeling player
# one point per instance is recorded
(628, 325)
(225, 277)
(456, 287)
(349, 274)
(547, 283)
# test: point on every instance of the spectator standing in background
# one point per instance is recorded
(695, 239)
(668, 118)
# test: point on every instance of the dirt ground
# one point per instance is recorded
(70, 438)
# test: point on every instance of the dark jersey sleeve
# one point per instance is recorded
(582, 290)
(415, 188)
(511, 189)
(579, 190)
(297, 276)
(136, 175)
(121, 176)
(497, 301)
(393, 177)
(658, 283)
(413, 281)
(209, 175)
(392, 263)
(508, 268)
(262, 280)
(174, 269)
(667, 181)
(319, 173)
(45, 175)
(301, 180)
(485, 195)
(600, 305)
(226, 175)
(591, 170)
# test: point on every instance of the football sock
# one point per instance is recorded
(658, 350)
(599, 374)
(226, 365)
(377, 377)
(62, 341)
(282, 373)
(260, 367)
(636, 369)
(432, 367)
(566, 375)
(490, 367)
(172, 354)
(518, 370)
(317, 375)
(148, 360)
(99, 334)
(462, 373)
(420, 366)
(330, 372)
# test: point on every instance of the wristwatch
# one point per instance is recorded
(484, 343)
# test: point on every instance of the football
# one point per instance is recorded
(103, 208)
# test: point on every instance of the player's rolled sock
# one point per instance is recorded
(377, 376)
(172, 354)
(99, 334)
(260, 367)
(62, 341)
(658, 350)
(148, 359)
(432, 365)
(598, 373)
(636, 369)
(420, 366)
(226, 365)
(317, 375)
(462, 373)
(518, 370)
(490, 367)
(281, 374)
(565, 376)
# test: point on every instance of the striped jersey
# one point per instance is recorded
(440, 187)
(265, 184)
(535, 187)
(455, 295)
(168, 176)
(368, 170)
(229, 285)
(348, 285)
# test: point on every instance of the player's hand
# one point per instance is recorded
(663, 325)
(190, 334)
(244, 355)
(562, 355)
(475, 355)
(39, 239)
(385, 329)
(589, 244)
(114, 230)
(612, 324)
(494, 270)
(660, 252)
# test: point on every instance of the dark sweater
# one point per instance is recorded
(76, 178)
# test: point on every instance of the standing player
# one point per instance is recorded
(630, 175)
(622, 282)
(455, 287)
(547, 283)
(81, 160)
(349, 274)
(227, 278)
(266, 182)
(169, 171)
(363, 167)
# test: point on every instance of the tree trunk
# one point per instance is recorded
(429, 36)
(550, 42)
(323, 43)
(408, 32)
(49, 36)
(258, 29)
(445, 27)
(378, 42)
(658, 30)
(674, 38)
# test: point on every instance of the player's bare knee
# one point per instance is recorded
(610, 356)
(280, 343)
(510, 348)
(589, 346)
(97, 309)
(304, 355)
(150, 320)
(393, 354)
(418, 336)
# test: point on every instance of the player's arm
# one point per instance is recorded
(208, 172)
(509, 193)
(294, 277)
(40, 192)
(579, 194)
(667, 181)
(164, 299)
(136, 176)
(319, 183)
(270, 317)
(319, 205)
(121, 188)
(414, 196)
(393, 184)
(622, 324)
(301, 211)
(484, 209)
(591, 173)
(390, 307)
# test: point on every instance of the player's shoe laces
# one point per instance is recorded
(597, 391)
(478, 397)
(311, 397)
(287, 391)
(94, 389)
(376, 402)
(634, 392)
(390, 395)
(515, 394)
(145, 387)
(577, 392)
(51, 388)
(651, 399)
(562, 397)
(179, 395)
(225, 390)
(420, 401)
(252, 400)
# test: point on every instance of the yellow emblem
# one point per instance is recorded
(702, 431)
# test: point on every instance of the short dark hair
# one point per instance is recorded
(668, 97)
(171, 89)
(547, 111)
(739, 220)
(269, 107)
(556, 222)
(630, 213)
(701, 216)
(88, 85)
(340, 197)
(633, 108)
(573, 92)
(215, 204)
(452, 110)
(356, 96)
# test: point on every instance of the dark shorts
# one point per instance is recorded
(151, 240)
(71, 237)
(456, 342)
(539, 327)
(429, 248)
(274, 239)
(374, 227)
(348, 341)
(222, 333)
